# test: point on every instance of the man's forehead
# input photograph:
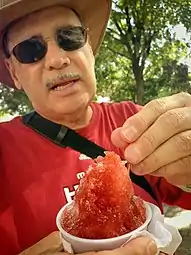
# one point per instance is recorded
(53, 10)
(38, 18)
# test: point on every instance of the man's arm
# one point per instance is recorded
(173, 195)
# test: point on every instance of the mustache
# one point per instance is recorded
(51, 82)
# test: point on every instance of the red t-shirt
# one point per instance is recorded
(38, 177)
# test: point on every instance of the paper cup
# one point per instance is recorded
(73, 244)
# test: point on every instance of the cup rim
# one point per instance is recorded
(100, 241)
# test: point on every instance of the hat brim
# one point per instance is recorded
(95, 15)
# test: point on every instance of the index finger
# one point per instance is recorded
(136, 125)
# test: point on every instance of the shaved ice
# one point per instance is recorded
(104, 205)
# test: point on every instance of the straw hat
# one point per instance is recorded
(95, 15)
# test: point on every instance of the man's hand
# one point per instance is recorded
(47, 246)
(157, 140)
(51, 245)
(138, 246)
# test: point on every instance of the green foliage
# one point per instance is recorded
(173, 79)
(140, 56)
(13, 101)
(113, 71)
(140, 40)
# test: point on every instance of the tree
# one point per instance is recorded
(165, 75)
(173, 79)
(139, 25)
(140, 56)
(114, 77)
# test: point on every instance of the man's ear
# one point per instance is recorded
(93, 56)
(90, 48)
(10, 66)
(91, 52)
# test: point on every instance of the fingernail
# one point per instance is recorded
(132, 154)
(129, 133)
(151, 248)
(138, 169)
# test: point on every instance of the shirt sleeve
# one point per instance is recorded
(173, 195)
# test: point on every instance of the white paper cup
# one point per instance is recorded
(75, 244)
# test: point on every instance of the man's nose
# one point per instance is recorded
(55, 58)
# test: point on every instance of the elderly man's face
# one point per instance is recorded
(37, 78)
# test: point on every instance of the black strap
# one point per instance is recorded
(66, 137)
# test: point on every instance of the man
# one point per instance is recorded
(47, 50)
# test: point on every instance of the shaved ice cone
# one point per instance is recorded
(105, 212)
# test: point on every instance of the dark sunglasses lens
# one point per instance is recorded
(72, 38)
(30, 51)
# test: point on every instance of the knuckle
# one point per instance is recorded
(179, 172)
(184, 95)
(158, 106)
(155, 161)
(149, 142)
(186, 163)
(165, 171)
(142, 121)
(152, 162)
(174, 118)
(183, 141)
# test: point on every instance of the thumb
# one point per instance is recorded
(141, 246)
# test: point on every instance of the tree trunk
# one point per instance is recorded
(140, 90)
(138, 74)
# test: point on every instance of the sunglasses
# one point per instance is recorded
(34, 49)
